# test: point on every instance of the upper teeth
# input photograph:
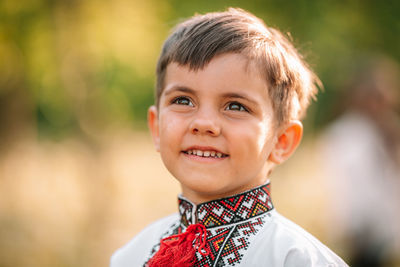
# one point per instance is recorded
(206, 153)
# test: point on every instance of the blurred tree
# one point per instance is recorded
(80, 67)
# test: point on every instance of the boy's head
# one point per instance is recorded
(196, 41)
(229, 93)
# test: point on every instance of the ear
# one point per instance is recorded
(287, 142)
(152, 121)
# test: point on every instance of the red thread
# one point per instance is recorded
(180, 250)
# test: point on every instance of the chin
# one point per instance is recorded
(207, 189)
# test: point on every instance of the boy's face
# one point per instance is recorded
(215, 127)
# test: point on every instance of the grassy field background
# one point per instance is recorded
(72, 204)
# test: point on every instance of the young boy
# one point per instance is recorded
(230, 93)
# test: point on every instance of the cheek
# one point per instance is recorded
(171, 131)
(262, 136)
(248, 140)
(266, 137)
(257, 141)
(168, 143)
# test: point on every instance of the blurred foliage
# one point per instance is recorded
(86, 69)
(82, 67)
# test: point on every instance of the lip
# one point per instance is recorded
(201, 158)
(205, 148)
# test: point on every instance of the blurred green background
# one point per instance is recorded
(76, 79)
(80, 67)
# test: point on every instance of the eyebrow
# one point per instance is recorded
(178, 88)
(240, 96)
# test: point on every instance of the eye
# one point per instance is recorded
(235, 106)
(182, 100)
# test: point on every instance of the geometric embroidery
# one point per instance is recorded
(227, 245)
(215, 241)
(231, 225)
(227, 210)
(185, 210)
(239, 241)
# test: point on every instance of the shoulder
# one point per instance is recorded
(284, 243)
(135, 252)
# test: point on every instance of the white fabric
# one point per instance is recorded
(135, 253)
(279, 243)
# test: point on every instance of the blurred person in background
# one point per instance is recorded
(361, 156)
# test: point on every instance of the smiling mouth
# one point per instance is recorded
(205, 153)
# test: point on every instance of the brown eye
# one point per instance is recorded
(235, 106)
(182, 100)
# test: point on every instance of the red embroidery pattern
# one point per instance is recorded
(231, 224)
(228, 244)
(228, 210)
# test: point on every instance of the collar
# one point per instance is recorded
(227, 210)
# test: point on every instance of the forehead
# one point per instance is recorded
(230, 71)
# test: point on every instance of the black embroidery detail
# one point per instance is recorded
(231, 224)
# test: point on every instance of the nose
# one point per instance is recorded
(205, 123)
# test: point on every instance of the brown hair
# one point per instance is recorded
(196, 41)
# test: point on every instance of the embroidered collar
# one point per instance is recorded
(227, 210)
